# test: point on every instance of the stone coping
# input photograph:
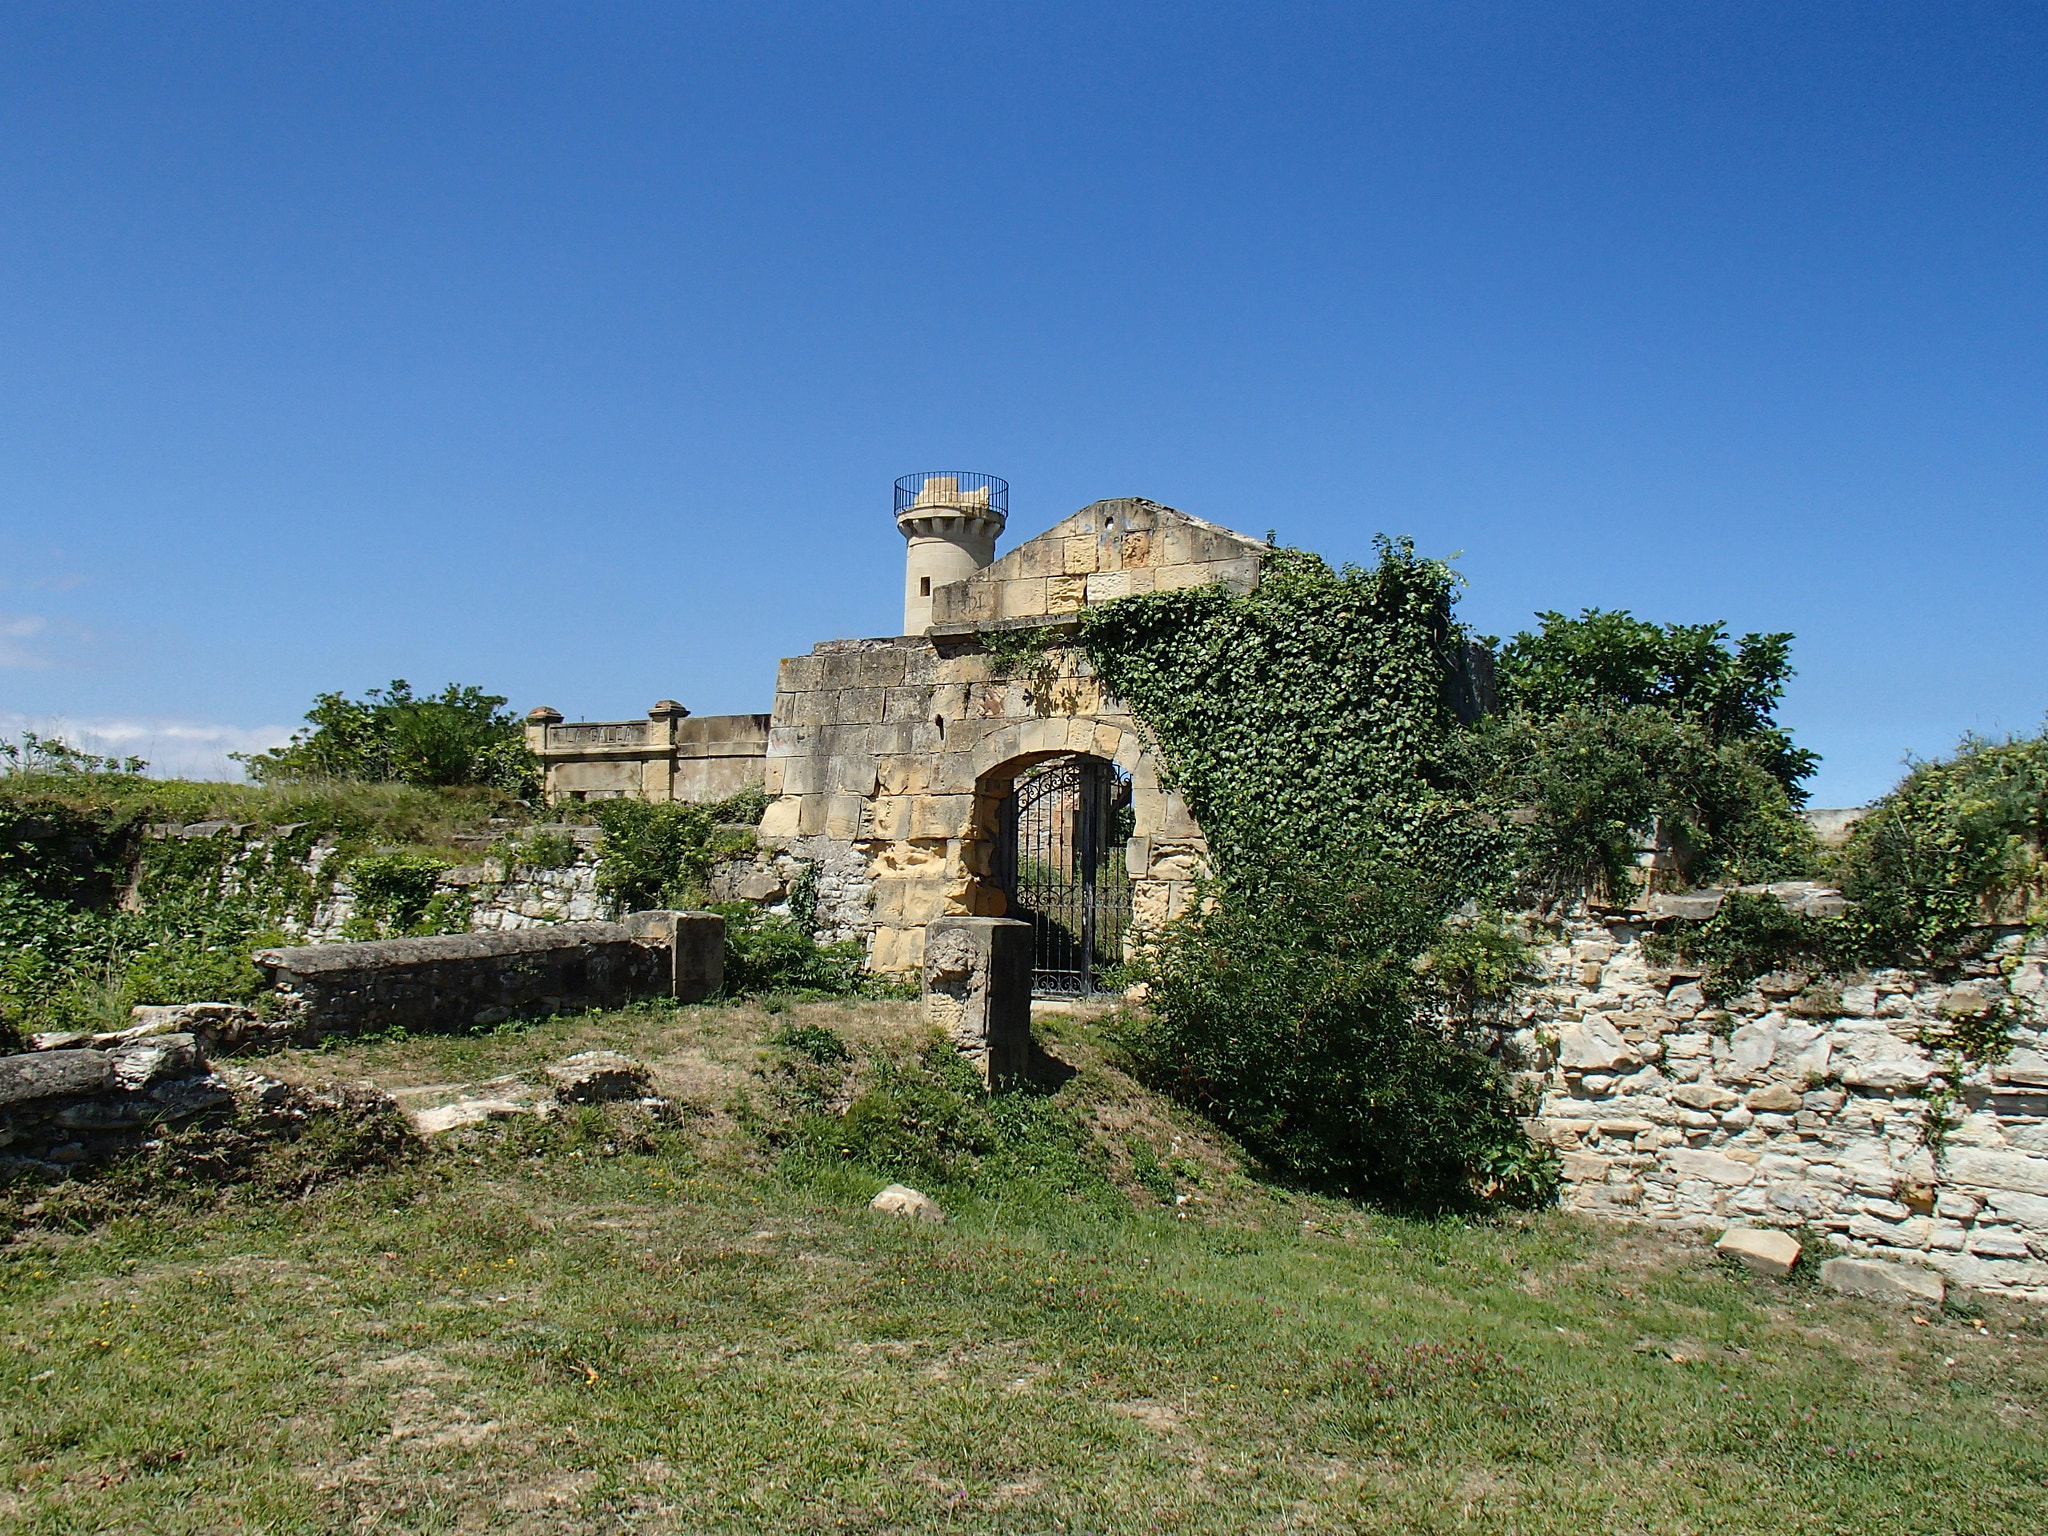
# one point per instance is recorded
(316, 959)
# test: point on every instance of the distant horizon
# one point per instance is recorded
(572, 352)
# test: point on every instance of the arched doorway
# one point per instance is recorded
(1059, 857)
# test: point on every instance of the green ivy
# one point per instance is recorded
(1310, 711)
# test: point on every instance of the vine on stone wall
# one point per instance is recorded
(1309, 712)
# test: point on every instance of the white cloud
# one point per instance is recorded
(175, 749)
(21, 626)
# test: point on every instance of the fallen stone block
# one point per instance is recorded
(902, 1200)
(1884, 1282)
(594, 1077)
(1761, 1250)
(432, 1122)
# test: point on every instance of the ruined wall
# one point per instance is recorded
(1797, 1105)
(1108, 549)
(483, 978)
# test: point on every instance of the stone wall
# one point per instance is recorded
(1108, 549)
(668, 756)
(890, 760)
(1797, 1105)
(483, 978)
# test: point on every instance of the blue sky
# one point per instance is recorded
(571, 350)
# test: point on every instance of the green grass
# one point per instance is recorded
(603, 1326)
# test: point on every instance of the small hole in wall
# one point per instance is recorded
(940, 722)
(924, 586)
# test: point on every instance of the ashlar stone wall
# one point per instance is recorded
(1799, 1105)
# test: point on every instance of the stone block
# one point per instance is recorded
(1106, 586)
(1776, 1098)
(1024, 599)
(53, 1074)
(1593, 1045)
(1996, 1168)
(1065, 594)
(843, 816)
(977, 990)
(1079, 556)
(596, 1077)
(779, 821)
(1711, 1167)
(1880, 1281)
(939, 816)
(1761, 1250)
(902, 1200)
(1703, 1096)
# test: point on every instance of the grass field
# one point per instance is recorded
(599, 1326)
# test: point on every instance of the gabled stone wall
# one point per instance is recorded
(1798, 1105)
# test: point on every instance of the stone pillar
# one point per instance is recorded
(696, 945)
(977, 988)
(658, 772)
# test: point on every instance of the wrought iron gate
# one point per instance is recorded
(1060, 860)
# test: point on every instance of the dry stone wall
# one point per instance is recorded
(1799, 1106)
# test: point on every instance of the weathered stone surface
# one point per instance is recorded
(142, 1062)
(1763, 1250)
(1703, 1095)
(1714, 1167)
(1593, 1045)
(53, 1074)
(977, 989)
(592, 1077)
(902, 1200)
(1884, 1282)
(1774, 1098)
(449, 1117)
(483, 978)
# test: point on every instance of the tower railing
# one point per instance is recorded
(941, 490)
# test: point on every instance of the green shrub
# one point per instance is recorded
(657, 853)
(543, 850)
(1309, 712)
(930, 1123)
(1957, 845)
(1751, 936)
(1286, 1009)
(461, 736)
(399, 894)
(766, 953)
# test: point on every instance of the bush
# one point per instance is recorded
(1751, 936)
(459, 737)
(766, 953)
(1957, 845)
(657, 853)
(398, 895)
(1286, 1009)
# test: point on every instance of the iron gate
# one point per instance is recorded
(1060, 861)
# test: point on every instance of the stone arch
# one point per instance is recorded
(1167, 851)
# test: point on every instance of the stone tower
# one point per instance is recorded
(951, 519)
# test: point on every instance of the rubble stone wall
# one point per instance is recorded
(1799, 1105)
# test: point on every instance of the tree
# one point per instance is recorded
(458, 738)
(1611, 729)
